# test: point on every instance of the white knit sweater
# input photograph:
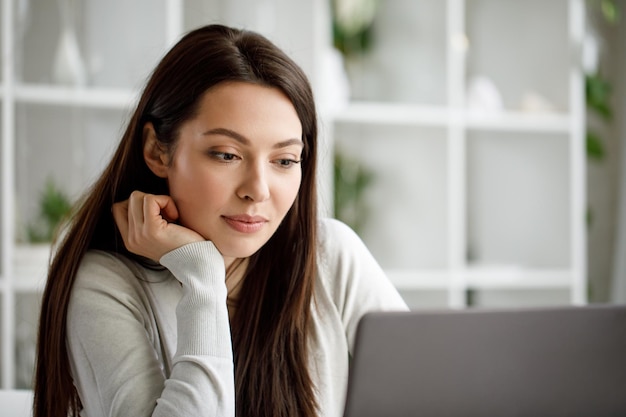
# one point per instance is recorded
(141, 344)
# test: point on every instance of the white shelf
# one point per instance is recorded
(107, 98)
(394, 114)
(516, 277)
(419, 115)
(518, 121)
(436, 279)
(481, 278)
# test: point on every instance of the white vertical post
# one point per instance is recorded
(578, 252)
(173, 21)
(322, 41)
(456, 153)
(8, 197)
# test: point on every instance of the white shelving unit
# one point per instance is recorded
(67, 132)
(442, 221)
(438, 157)
(22, 266)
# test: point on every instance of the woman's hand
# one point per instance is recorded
(145, 222)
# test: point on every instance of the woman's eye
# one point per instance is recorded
(223, 156)
(286, 163)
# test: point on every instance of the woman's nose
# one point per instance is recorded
(254, 185)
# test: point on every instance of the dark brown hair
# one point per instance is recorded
(270, 327)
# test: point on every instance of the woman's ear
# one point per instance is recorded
(156, 157)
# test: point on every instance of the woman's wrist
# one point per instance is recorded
(196, 263)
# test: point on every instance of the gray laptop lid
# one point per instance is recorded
(551, 362)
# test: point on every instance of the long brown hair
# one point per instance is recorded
(270, 326)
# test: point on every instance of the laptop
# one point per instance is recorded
(543, 362)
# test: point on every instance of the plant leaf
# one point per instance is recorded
(595, 148)
(610, 11)
(598, 95)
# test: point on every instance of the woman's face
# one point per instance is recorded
(235, 170)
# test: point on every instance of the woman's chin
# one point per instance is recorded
(231, 253)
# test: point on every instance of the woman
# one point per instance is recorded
(195, 278)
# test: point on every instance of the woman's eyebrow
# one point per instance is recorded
(245, 141)
(289, 142)
(227, 132)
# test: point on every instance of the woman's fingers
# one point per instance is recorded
(135, 210)
(166, 207)
(144, 220)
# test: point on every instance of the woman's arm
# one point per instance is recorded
(110, 335)
(204, 347)
(112, 342)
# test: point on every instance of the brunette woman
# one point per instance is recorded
(195, 278)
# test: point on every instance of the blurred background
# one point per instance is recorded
(475, 145)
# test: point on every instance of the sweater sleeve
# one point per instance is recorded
(357, 283)
(115, 368)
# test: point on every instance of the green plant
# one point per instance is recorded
(54, 207)
(598, 97)
(610, 11)
(351, 179)
(598, 89)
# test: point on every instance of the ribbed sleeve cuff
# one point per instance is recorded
(202, 315)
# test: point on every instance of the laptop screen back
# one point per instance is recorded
(568, 361)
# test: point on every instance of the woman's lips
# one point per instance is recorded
(245, 223)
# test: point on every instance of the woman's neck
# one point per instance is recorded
(235, 271)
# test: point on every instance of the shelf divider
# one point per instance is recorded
(94, 97)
